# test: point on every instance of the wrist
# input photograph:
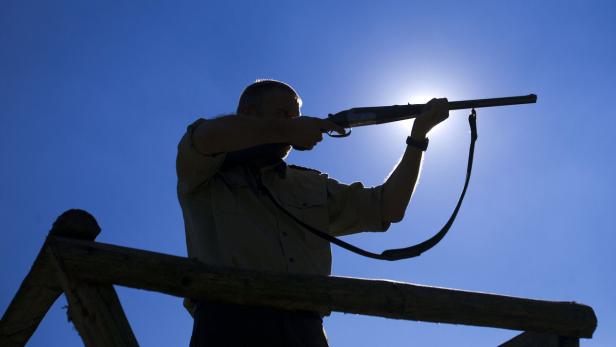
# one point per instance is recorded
(421, 145)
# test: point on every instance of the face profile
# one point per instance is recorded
(273, 102)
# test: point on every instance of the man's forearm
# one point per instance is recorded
(237, 132)
(400, 185)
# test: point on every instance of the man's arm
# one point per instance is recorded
(400, 185)
(237, 132)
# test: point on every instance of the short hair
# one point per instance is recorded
(253, 94)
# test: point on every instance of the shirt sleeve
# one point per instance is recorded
(193, 168)
(354, 208)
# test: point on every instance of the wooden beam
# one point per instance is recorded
(36, 294)
(532, 339)
(188, 278)
(94, 309)
(40, 288)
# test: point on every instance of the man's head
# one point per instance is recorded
(268, 99)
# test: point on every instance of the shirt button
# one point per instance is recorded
(291, 259)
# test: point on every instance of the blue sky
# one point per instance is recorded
(95, 95)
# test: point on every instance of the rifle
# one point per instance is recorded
(361, 116)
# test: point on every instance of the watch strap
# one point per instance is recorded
(420, 144)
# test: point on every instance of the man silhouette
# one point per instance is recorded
(230, 169)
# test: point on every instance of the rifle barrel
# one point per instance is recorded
(512, 100)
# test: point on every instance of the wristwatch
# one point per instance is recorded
(420, 144)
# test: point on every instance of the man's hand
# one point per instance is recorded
(435, 111)
(305, 132)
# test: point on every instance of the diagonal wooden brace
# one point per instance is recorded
(94, 309)
(46, 281)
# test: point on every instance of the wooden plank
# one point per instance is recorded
(40, 288)
(95, 310)
(188, 278)
(533, 339)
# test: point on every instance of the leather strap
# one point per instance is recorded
(411, 251)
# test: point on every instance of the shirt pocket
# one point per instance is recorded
(308, 204)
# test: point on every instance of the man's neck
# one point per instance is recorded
(257, 157)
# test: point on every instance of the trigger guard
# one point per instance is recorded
(333, 134)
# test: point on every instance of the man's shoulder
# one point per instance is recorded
(306, 175)
(303, 168)
(305, 171)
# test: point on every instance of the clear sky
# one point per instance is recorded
(94, 96)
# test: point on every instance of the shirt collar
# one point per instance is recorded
(279, 167)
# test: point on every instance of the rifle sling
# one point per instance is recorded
(411, 251)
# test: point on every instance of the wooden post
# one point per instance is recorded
(40, 289)
(37, 293)
(44, 284)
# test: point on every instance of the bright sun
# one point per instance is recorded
(418, 98)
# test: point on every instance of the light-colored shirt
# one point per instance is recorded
(230, 223)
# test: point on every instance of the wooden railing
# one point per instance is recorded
(70, 262)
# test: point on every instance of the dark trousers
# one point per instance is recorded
(231, 325)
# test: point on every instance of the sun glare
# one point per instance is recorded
(417, 98)
(426, 84)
